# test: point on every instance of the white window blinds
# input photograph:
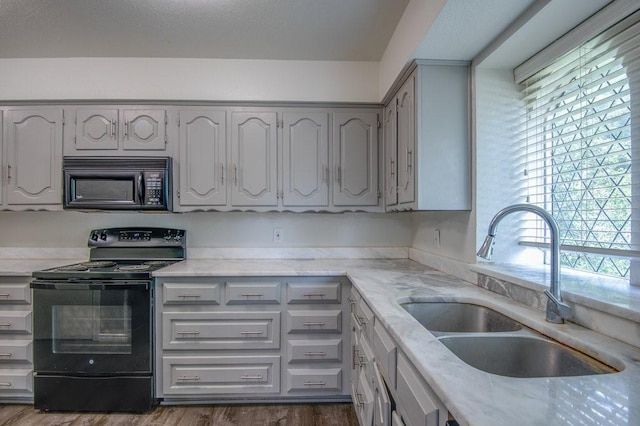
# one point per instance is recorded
(579, 159)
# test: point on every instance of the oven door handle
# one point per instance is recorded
(93, 285)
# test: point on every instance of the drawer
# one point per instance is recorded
(16, 381)
(363, 400)
(308, 321)
(385, 353)
(16, 351)
(312, 293)
(221, 375)
(19, 293)
(264, 293)
(314, 380)
(329, 350)
(15, 322)
(191, 293)
(353, 299)
(221, 330)
(364, 358)
(417, 402)
(364, 316)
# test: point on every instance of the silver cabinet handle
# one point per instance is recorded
(235, 175)
(359, 401)
(6, 384)
(193, 333)
(313, 323)
(5, 294)
(248, 377)
(315, 354)
(126, 129)
(222, 174)
(189, 296)
(393, 166)
(339, 175)
(188, 378)
(8, 173)
(251, 333)
(6, 354)
(252, 295)
(354, 356)
(314, 294)
(318, 383)
(5, 324)
(113, 129)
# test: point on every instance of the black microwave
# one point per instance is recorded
(117, 183)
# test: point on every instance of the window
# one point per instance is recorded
(578, 151)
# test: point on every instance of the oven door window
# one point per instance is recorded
(89, 331)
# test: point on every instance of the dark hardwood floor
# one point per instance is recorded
(218, 415)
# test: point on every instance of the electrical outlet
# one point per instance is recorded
(277, 235)
(436, 238)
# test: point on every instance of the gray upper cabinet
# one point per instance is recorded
(203, 157)
(305, 157)
(254, 159)
(355, 158)
(427, 143)
(391, 154)
(117, 131)
(33, 157)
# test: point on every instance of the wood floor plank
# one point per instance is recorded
(205, 415)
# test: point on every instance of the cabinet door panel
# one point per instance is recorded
(314, 380)
(203, 154)
(355, 151)
(143, 130)
(96, 129)
(254, 159)
(406, 143)
(305, 159)
(34, 157)
(391, 154)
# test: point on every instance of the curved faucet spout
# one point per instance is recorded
(557, 311)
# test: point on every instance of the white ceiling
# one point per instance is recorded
(331, 30)
(336, 30)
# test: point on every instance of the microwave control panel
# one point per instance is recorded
(154, 189)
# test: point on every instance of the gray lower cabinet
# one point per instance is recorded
(252, 338)
(16, 353)
(386, 388)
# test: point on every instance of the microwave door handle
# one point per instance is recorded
(141, 188)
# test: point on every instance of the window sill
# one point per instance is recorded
(610, 295)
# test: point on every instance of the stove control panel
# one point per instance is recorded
(136, 237)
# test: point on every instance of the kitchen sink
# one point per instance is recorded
(522, 356)
(456, 317)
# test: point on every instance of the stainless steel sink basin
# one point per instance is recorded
(523, 357)
(456, 317)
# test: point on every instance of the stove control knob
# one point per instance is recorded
(103, 236)
(167, 237)
(178, 237)
(94, 236)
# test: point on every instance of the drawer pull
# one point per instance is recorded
(314, 323)
(247, 377)
(6, 354)
(5, 324)
(315, 295)
(251, 332)
(354, 357)
(193, 333)
(319, 383)
(4, 295)
(351, 301)
(252, 295)
(359, 401)
(189, 296)
(188, 378)
(315, 354)
(6, 384)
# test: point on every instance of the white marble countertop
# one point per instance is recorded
(24, 267)
(472, 396)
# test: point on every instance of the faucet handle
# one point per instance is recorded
(560, 308)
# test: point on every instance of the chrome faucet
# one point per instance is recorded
(557, 310)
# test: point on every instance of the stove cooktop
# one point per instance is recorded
(105, 269)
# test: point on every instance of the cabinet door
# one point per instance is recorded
(355, 157)
(391, 155)
(254, 159)
(203, 156)
(305, 159)
(406, 142)
(34, 156)
(144, 130)
(96, 129)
